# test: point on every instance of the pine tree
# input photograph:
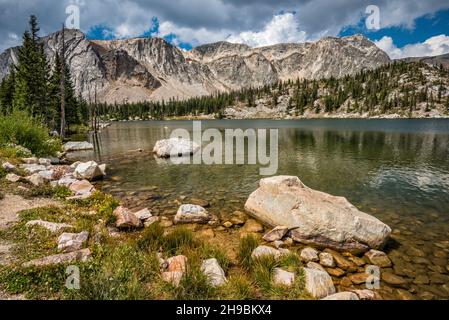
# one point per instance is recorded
(7, 92)
(30, 91)
(72, 106)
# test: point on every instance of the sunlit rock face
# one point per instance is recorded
(143, 69)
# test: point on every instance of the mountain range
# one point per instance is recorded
(151, 69)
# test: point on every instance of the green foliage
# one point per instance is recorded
(61, 192)
(152, 237)
(3, 173)
(117, 272)
(239, 287)
(178, 240)
(12, 151)
(32, 71)
(72, 106)
(35, 283)
(208, 251)
(372, 90)
(103, 203)
(246, 246)
(194, 284)
(22, 129)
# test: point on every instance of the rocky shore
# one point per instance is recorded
(337, 246)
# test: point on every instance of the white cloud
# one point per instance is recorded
(433, 46)
(194, 36)
(282, 28)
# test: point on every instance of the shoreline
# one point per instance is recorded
(342, 117)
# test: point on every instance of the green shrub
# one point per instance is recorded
(194, 285)
(117, 272)
(179, 239)
(262, 269)
(35, 283)
(20, 128)
(238, 287)
(2, 173)
(246, 246)
(152, 237)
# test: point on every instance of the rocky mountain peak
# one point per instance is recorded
(152, 69)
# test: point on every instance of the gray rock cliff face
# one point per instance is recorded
(152, 69)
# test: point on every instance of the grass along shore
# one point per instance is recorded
(126, 265)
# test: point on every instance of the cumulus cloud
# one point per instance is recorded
(202, 21)
(433, 46)
(190, 35)
(282, 28)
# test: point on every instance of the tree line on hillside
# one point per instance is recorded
(366, 90)
(35, 87)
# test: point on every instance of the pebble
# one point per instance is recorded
(393, 279)
(336, 272)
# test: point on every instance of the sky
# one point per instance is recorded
(402, 28)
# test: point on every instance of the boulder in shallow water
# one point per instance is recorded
(175, 147)
(316, 217)
(88, 170)
(378, 258)
(78, 146)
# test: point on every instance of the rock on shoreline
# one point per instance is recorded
(175, 147)
(78, 146)
(316, 217)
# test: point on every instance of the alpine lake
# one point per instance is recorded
(396, 170)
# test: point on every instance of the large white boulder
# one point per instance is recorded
(175, 147)
(316, 217)
(88, 170)
(77, 146)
